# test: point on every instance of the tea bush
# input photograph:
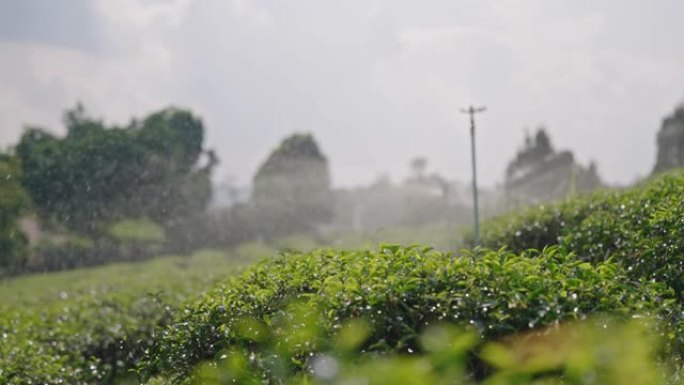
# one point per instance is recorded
(398, 292)
(642, 227)
(90, 326)
(597, 351)
(398, 314)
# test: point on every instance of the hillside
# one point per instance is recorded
(398, 292)
(90, 326)
(641, 227)
(580, 292)
(614, 253)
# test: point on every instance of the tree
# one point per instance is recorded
(292, 188)
(78, 123)
(173, 140)
(539, 173)
(670, 142)
(174, 134)
(543, 142)
(97, 175)
(418, 167)
(13, 203)
(533, 153)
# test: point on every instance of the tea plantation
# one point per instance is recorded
(90, 326)
(397, 292)
(642, 228)
(587, 291)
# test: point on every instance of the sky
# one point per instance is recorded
(378, 82)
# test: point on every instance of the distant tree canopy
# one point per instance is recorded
(533, 153)
(13, 203)
(292, 188)
(418, 167)
(99, 174)
(671, 142)
(539, 173)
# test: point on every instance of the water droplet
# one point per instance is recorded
(324, 367)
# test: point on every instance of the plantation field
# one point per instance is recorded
(586, 291)
(442, 236)
(90, 325)
(610, 254)
(291, 307)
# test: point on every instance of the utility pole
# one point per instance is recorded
(476, 209)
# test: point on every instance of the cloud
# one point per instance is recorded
(70, 24)
(43, 76)
(250, 10)
(378, 82)
(142, 15)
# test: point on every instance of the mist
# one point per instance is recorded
(379, 87)
(361, 191)
(378, 83)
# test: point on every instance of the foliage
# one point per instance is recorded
(539, 173)
(97, 174)
(140, 230)
(642, 227)
(533, 154)
(670, 142)
(13, 203)
(90, 326)
(292, 188)
(398, 291)
(601, 304)
(68, 252)
(596, 351)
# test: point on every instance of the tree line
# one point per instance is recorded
(104, 192)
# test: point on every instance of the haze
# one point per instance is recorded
(377, 82)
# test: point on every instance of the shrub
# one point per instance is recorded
(642, 227)
(597, 351)
(399, 291)
(91, 327)
(137, 230)
(14, 202)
